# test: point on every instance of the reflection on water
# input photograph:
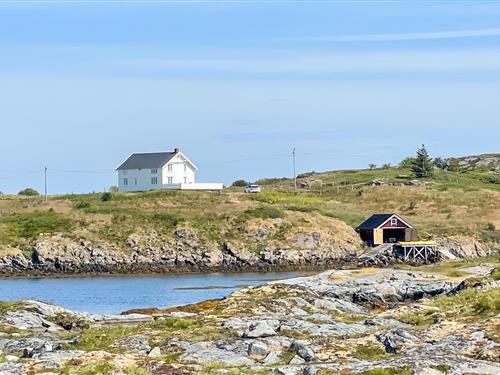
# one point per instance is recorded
(114, 294)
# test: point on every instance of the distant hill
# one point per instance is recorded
(485, 162)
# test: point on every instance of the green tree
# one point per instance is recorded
(240, 183)
(422, 166)
(407, 162)
(29, 192)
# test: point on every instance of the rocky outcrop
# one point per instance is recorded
(343, 321)
(259, 246)
(186, 252)
(454, 248)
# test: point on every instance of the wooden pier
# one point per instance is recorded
(418, 251)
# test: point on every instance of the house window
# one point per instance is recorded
(135, 181)
(124, 172)
(169, 167)
(154, 170)
(185, 179)
(185, 168)
(125, 181)
(394, 222)
(170, 180)
(154, 180)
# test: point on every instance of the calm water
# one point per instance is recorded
(114, 294)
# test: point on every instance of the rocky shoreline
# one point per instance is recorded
(365, 321)
(56, 255)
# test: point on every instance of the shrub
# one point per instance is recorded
(407, 162)
(82, 204)
(264, 213)
(107, 196)
(240, 183)
(29, 192)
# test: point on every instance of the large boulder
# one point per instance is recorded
(260, 329)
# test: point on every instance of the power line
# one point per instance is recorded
(19, 175)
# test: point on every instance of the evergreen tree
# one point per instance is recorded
(422, 166)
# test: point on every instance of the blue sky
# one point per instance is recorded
(238, 84)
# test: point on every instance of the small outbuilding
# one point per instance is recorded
(379, 229)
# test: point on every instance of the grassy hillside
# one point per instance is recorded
(452, 203)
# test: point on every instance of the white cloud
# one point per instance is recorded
(310, 62)
(398, 37)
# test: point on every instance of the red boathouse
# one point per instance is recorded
(386, 228)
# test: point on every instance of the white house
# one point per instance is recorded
(160, 170)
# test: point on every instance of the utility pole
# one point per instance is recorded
(294, 173)
(45, 183)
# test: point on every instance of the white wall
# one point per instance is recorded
(138, 180)
(180, 171)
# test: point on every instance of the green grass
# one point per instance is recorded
(264, 213)
(168, 219)
(368, 352)
(102, 338)
(274, 197)
(5, 307)
(30, 224)
(389, 371)
(455, 204)
(217, 369)
(351, 219)
(210, 227)
(421, 319)
(469, 305)
(495, 275)
(452, 268)
(376, 371)
(98, 369)
(134, 370)
(443, 368)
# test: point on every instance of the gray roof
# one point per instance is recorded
(147, 160)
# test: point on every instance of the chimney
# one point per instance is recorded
(177, 150)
